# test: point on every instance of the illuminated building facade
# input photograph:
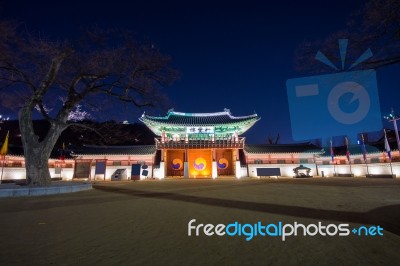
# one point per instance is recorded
(209, 145)
(200, 145)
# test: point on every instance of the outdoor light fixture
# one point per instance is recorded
(2, 118)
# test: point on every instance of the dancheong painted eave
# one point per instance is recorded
(183, 120)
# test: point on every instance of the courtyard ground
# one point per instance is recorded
(146, 223)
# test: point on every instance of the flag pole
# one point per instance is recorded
(364, 151)
(348, 154)
(3, 153)
(2, 168)
(62, 158)
(350, 167)
(333, 159)
(334, 168)
(387, 149)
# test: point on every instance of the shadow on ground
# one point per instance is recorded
(386, 216)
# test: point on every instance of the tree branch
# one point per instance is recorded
(13, 69)
(44, 113)
(126, 98)
(89, 128)
(49, 79)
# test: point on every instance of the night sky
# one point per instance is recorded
(231, 55)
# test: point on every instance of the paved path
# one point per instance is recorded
(146, 223)
(14, 190)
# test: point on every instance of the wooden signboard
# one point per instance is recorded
(82, 168)
(101, 168)
(136, 169)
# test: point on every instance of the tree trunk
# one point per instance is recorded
(37, 153)
(37, 167)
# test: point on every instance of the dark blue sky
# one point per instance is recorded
(231, 55)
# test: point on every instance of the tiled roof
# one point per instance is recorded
(282, 148)
(199, 119)
(116, 150)
(310, 148)
(373, 147)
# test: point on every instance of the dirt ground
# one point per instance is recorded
(146, 223)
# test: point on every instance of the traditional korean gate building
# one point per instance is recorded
(208, 145)
(199, 145)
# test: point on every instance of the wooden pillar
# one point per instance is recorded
(186, 165)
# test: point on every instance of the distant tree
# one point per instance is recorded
(375, 26)
(111, 133)
(57, 79)
(272, 141)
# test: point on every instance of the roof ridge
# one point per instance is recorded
(225, 112)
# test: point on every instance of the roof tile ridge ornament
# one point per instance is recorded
(144, 116)
(228, 112)
(244, 116)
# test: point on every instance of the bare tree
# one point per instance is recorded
(375, 26)
(57, 78)
(274, 140)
